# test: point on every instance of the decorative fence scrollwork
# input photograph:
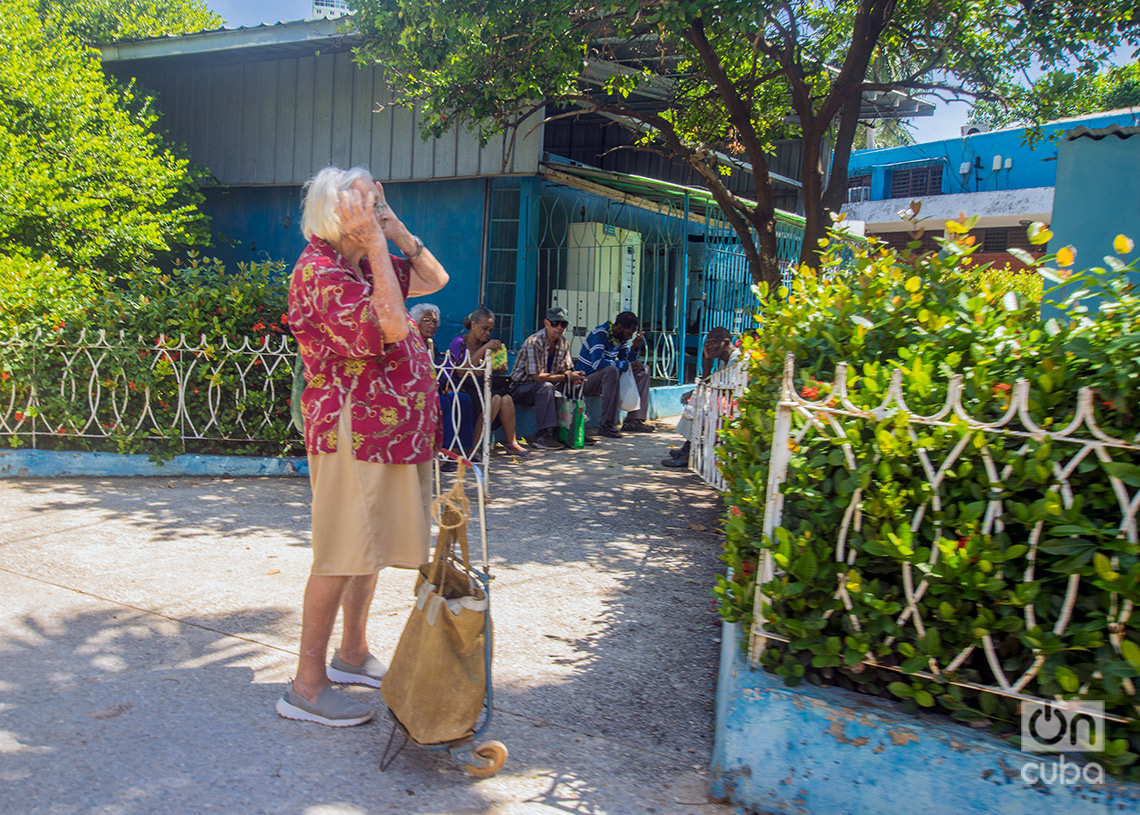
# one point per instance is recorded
(1002, 460)
(117, 393)
(111, 393)
(713, 402)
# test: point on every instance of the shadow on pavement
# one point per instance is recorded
(605, 663)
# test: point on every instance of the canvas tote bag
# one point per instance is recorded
(437, 680)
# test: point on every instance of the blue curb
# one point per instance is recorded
(827, 751)
(54, 464)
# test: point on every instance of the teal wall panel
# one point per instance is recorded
(264, 223)
(1097, 197)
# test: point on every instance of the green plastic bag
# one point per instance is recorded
(572, 420)
(295, 399)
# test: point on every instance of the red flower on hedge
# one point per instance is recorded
(259, 326)
(1003, 387)
(19, 416)
(810, 392)
(284, 319)
(4, 375)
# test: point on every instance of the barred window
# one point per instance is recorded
(911, 182)
(998, 239)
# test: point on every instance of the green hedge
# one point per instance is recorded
(49, 313)
(932, 316)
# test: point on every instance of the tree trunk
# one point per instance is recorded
(815, 217)
(767, 268)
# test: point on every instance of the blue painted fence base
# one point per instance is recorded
(827, 751)
(52, 464)
(664, 402)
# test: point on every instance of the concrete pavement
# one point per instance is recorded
(147, 627)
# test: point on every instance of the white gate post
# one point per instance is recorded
(773, 502)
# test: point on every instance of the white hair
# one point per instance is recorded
(420, 309)
(321, 193)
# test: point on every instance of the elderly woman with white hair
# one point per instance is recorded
(426, 317)
(371, 418)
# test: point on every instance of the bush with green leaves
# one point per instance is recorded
(84, 177)
(931, 316)
(50, 324)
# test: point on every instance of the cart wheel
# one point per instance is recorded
(490, 756)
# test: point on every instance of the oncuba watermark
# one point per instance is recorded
(1060, 728)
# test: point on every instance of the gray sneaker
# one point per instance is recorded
(331, 708)
(371, 673)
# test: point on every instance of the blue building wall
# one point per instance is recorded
(1032, 166)
(1098, 197)
(264, 223)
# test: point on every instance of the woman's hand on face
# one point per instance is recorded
(390, 223)
(358, 222)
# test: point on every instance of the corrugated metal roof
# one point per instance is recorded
(650, 189)
(277, 39)
(1102, 132)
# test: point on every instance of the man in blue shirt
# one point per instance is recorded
(605, 356)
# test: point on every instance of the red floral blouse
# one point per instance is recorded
(395, 404)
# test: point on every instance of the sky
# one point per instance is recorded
(255, 12)
(946, 122)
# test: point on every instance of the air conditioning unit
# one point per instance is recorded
(603, 276)
(970, 130)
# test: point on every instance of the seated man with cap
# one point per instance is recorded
(605, 356)
(542, 366)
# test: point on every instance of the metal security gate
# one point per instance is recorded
(729, 295)
(673, 259)
(597, 257)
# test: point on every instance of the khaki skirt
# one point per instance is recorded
(368, 515)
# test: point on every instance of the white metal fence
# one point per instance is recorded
(102, 386)
(713, 402)
(111, 391)
(799, 419)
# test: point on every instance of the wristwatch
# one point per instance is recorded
(419, 248)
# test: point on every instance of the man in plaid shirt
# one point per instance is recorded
(543, 364)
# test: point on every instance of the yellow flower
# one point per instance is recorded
(1123, 244)
(1066, 255)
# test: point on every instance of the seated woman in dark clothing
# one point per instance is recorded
(464, 366)
(426, 316)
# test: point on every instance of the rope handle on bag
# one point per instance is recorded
(455, 500)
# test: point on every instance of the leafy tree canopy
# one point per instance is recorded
(713, 81)
(84, 179)
(1059, 94)
(105, 21)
